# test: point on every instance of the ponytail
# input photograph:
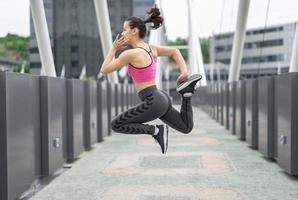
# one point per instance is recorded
(154, 18)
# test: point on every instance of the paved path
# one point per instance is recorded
(207, 164)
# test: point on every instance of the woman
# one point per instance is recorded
(141, 60)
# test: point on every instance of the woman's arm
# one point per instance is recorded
(175, 54)
(110, 64)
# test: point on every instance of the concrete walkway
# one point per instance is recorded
(207, 164)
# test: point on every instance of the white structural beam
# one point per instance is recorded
(155, 38)
(83, 72)
(23, 67)
(62, 75)
(103, 20)
(42, 73)
(195, 57)
(294, 59)
(179, 46)
(238, 42)
(42, 36)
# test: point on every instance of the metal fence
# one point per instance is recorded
(262, 111)
(46, 122)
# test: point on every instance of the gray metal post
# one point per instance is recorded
(239, 39)
(42, 36)
(294, 59)
(103, 20)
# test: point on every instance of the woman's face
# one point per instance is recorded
(127, 32)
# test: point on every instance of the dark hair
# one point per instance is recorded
(154, 18)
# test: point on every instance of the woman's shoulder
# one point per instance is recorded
(129, 55)
(153, 48)
(129, 52)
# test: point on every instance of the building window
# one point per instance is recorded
(247, 45)
(74, 40)
(268, 43)
(34, 50)
(224, 61)
(263, 59)
(35, 64)
(74, 49)
(74, 64)
(268, 30)
(219, 48)
(253, 45)
(224, 36)
(48, 5)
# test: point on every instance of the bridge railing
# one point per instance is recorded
(46, 122)
(262, 111)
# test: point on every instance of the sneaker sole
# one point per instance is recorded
(165, 138)
(190, 80)
(167, 129)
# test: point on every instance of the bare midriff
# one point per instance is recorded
(141, 86)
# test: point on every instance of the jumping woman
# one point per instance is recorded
(141, 61)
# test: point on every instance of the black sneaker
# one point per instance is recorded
(189, 85)
(162, 137)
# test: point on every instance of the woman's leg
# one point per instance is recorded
(181, 121)
(131, 121)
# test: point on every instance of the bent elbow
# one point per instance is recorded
(175, 51)
(103, 71)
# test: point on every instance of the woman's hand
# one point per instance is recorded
(119, 42)
(182, 78)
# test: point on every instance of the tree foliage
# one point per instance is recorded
(14, 47)
(205, 44)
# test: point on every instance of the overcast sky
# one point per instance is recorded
(14, 15)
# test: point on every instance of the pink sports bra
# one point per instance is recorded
(144, 74)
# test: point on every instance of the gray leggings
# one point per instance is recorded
(155, 104)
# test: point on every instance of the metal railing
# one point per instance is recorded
(262, 111)
(46, 122)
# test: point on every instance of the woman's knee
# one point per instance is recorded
(187, 129)
(114, 124)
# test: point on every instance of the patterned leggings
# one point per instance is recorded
(155, 104)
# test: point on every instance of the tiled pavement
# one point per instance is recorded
(207, 164)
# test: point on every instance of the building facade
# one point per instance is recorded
(266, 51)
(140, 8)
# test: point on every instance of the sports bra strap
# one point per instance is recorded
(145, 49)
(151, 56)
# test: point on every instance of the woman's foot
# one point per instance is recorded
(187, 88)
(162, 137)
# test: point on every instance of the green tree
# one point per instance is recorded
(205, 44)
(14, 47)
(18, 69)
(180, 42)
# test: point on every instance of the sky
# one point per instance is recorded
(211, 16)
